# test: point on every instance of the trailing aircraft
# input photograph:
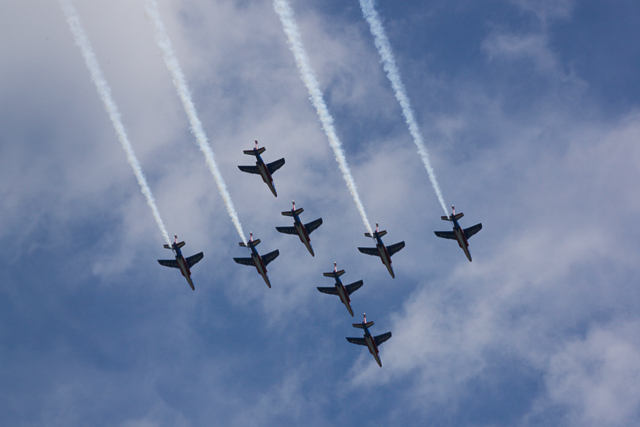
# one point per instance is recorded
(180, 262)
(381, 250)
(339, 289)
(259, 262)
(462, 236)
(262, 169)
(302, 230)
(369, 341)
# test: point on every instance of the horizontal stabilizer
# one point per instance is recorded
(250, 169)
(249, 244)
(245, 261)
(359, 341)
(287, 230)
(370, 251)
(334, 274)
(169, 263)
(382, 338)
(180, 244)
(445, 218)
(313, 225)
(331, 291)
(395, 248)
(193, 259)
(446, 234)
(266, 259)
(274, 166)
(468, 232)
(458, 216)
(354, 287)
(361, 326)
(380, 233)
(297, 212)
(167, 247)
(254, 152)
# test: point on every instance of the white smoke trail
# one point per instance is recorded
(171, 61)
(389, 63)
(105, 94)
(315, 94)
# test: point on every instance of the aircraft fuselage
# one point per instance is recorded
(344, 296)
(461, 238)
(302, 233)
(184, 267)
(371, 345)
(384, 256)
(262, 269)
(265, 174)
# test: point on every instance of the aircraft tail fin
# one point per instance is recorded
(362, 326)
(337, 273)
(380, 233)
(289, 213)
(253, 243)
(254, 152)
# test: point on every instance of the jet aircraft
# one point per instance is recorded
(262, 169)
(339, 289)
(302, 230)
(462, 236)
(180, 262)
(259, 262)
(369, 341)
(381, 250)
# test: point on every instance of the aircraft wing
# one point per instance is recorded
(446, 234)
(354, 287)
(370, 251)
(313, 225)
(249, 169)
(359, 341)
(245, 261)
(270, 257)
(395, 248)
(331, 291)
(169, 263)
(274, 166)
(468, 232)
(193, 259)
(287, 230)
(382, 338)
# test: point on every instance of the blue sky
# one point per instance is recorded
(530, 110)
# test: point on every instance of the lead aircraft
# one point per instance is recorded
(180, 262)
(262, 169)
(381, 250)
(302, 230)
(369, 341)
(458, 233)
(339, 289)
(259, 262)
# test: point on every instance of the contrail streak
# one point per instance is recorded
(315, 94)
(389, 63)
(105, 94)
(171, 61)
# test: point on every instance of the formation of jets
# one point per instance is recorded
(303, 231)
